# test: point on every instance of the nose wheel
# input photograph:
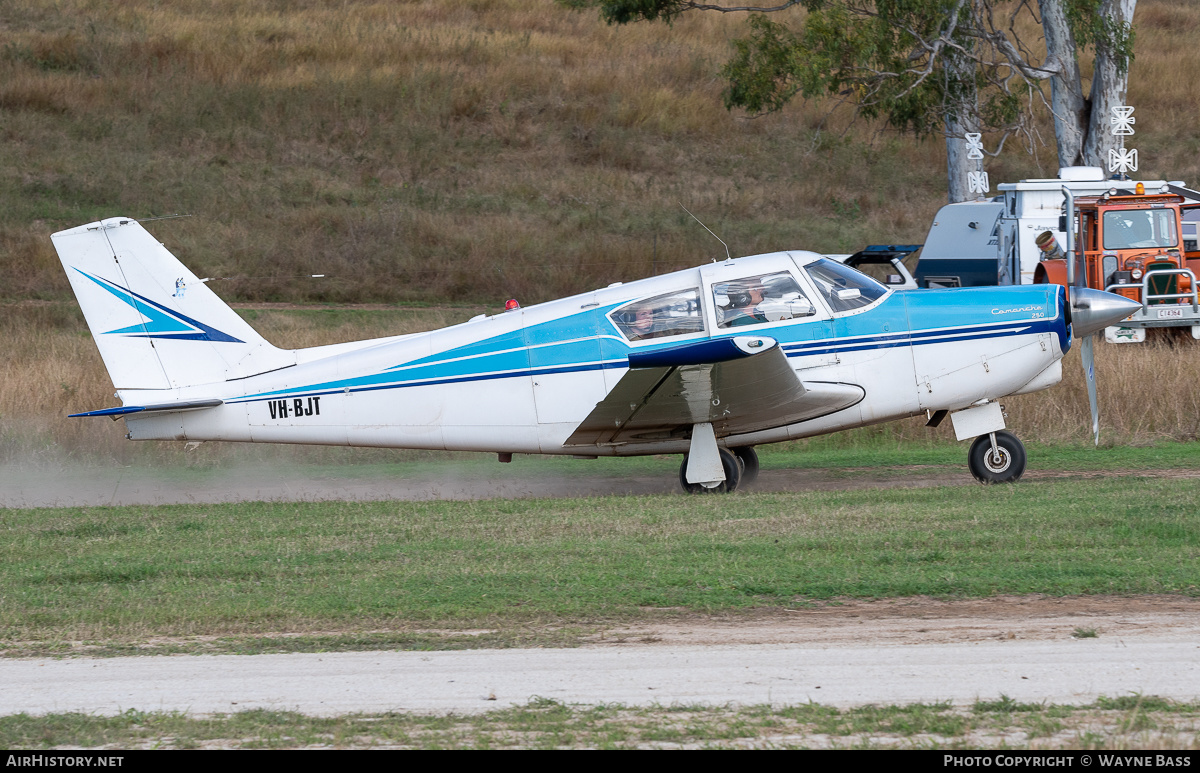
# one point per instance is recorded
(733, 476)
(1003, 462)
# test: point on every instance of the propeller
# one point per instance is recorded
(1091, 312)
(1088, 358)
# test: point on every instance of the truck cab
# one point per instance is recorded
(1130, 243)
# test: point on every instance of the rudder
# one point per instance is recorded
(157, 326)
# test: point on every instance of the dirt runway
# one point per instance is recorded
(850, 654)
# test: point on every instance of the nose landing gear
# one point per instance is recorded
(997, 458)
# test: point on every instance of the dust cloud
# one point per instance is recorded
(66, 485)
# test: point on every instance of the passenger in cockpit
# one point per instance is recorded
(643, 324)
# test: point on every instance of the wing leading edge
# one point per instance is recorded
(739, 385)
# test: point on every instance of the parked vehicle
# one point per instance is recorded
(884, 263)
(1127, 237)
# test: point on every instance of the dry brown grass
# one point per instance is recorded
(461, 149)
(464, 149)
(1148, 393)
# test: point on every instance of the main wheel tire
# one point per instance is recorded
(987, 468)
(749, 459)
(733, 476)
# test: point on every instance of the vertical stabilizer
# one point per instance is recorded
(156, 325)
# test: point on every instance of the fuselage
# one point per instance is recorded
(522, 381)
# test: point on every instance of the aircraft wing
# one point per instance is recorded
(740, 384)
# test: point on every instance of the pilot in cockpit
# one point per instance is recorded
(743, 304)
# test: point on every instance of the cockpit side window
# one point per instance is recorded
(755, 300)
(843, 288)
(672, 314)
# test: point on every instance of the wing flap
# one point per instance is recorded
(754, 389)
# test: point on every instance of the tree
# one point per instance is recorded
(947, 67)
(1081, 126)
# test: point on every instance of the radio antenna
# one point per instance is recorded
(706, 228)
(161, 217)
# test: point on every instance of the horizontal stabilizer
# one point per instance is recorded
(192, 405)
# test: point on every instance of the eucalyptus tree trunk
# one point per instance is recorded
(1110, 82)
(962, 116)
(1071, 112)
(958, 166)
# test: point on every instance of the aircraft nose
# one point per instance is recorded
(1094, 310)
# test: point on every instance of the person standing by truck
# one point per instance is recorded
(1050, 250)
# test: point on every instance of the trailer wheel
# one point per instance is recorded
(1006, 466)
(733, 476)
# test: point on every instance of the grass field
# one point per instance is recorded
(462, 149)
(384, 574)
(1132, 722)
(448, 154)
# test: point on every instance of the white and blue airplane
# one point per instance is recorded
(708, 362)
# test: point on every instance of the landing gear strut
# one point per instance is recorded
(733, 476)
(996, 458)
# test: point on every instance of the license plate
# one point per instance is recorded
(1170, 313)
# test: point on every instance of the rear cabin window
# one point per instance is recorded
(672, 314)
(755, 300)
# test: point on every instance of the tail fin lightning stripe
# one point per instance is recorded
(163, 322)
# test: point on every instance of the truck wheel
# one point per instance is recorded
(733, 476)
(1006, 467)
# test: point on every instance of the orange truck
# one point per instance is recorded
(1126, 237)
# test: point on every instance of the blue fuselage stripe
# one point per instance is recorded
(922, 338)
(439, 381)
(792, 350)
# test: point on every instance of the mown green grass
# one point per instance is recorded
(126, 574)
(1132, 722)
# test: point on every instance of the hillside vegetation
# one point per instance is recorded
(459, 153)
(463, 150)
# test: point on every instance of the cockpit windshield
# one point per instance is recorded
(842, 287)
(1131, 228)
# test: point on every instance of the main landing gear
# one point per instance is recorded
(749, 460)
(997, 458)
(740, 466)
